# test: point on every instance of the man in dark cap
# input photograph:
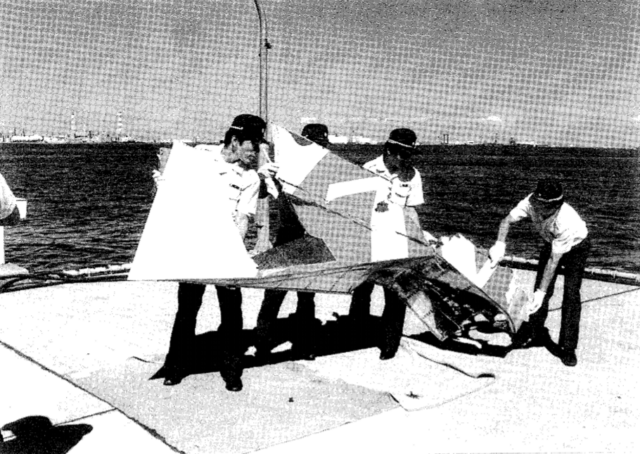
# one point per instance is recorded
(9, 214)
(237, 158)
(565, 244)
(404, 192)
(306, 324)
(250, 124)
(318, 133)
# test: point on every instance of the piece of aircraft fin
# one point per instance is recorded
(485, 273)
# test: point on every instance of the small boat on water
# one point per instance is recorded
(27, 139)
(56, 140)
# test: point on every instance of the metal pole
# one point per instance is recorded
(264, 47)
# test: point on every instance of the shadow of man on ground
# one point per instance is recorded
(36, 435)
(333, 337)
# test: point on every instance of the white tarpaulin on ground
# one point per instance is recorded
(413, 379)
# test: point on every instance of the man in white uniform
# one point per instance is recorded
(565, 245)
(9, 214)
(402, 193)
(304, 342)
(236, 160)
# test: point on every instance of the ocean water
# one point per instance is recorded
(87, 204)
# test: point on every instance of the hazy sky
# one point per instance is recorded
(555, 71)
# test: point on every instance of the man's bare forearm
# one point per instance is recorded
(503, 231)
(243, 224)
(549, 271)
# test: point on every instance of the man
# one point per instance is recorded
(565, 244)
(318, 133)
(306, 324)
(237, 158)
(404, 193)
(9, 214)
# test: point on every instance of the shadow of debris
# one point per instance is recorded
(36, 435)
(459, 347)
(335, 336)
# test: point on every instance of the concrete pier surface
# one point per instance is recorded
(82, 357)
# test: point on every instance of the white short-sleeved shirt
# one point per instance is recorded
(242, 185)
(7, 199)
(388, 228)
(399, 192)
(563, 230)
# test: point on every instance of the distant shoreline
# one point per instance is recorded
(457, 149)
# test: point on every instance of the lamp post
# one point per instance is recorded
(264, 48)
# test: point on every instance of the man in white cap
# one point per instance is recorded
(9, 214)
(306, 330)
(238, 154)
(565, 245)
(404, 191)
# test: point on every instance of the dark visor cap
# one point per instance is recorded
(316, 132)
(402, 142)
(548, 193)
(251, 125)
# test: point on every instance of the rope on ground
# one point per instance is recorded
(27, 281)
(597, 274)
(609, 296)
(120, 272)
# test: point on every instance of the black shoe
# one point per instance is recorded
(569, 359)
(386, 354)
(234, 385)
(306, 355)
(356, 320)
(172, 379)
(529, 336)
(303, 352)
